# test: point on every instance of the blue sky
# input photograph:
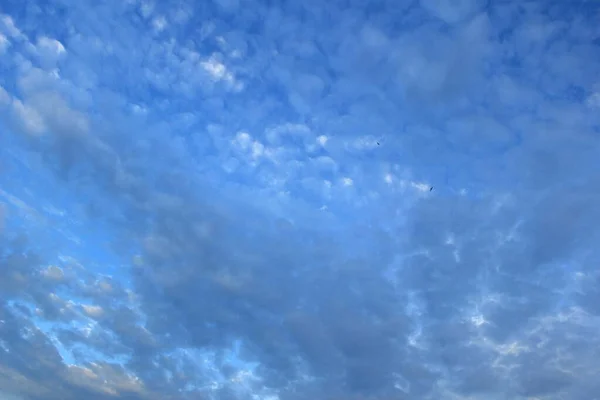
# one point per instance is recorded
(230, 199)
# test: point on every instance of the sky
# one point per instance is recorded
(290, 200)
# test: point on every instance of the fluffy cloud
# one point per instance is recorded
(245, 207)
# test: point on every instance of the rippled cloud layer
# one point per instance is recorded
(247, 199)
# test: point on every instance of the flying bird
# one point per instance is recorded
(431, 188)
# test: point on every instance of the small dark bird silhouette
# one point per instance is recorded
(431, 188)
(377, 143)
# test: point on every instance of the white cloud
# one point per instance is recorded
(146, 8)
(325, 164)
(5, 97)
(27, 118)
(8, 27)
(54, 112)
(4, 43)
(159, 23)
(54, 273)
(364, 143)
(251, 148)
(243, 140)
(23, 117)
(593, 100)
(257, 150)
(50, 47)
(93, 311)
(218, 71)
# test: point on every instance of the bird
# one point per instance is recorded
(431, 188)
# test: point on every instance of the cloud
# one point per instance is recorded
(53, 273)
(21, 116)
(4, 43)
(246, 201)
(49, 51)
(8, 27)
(93, 311)
(452, 11)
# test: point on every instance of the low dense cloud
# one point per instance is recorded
(242, 200)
